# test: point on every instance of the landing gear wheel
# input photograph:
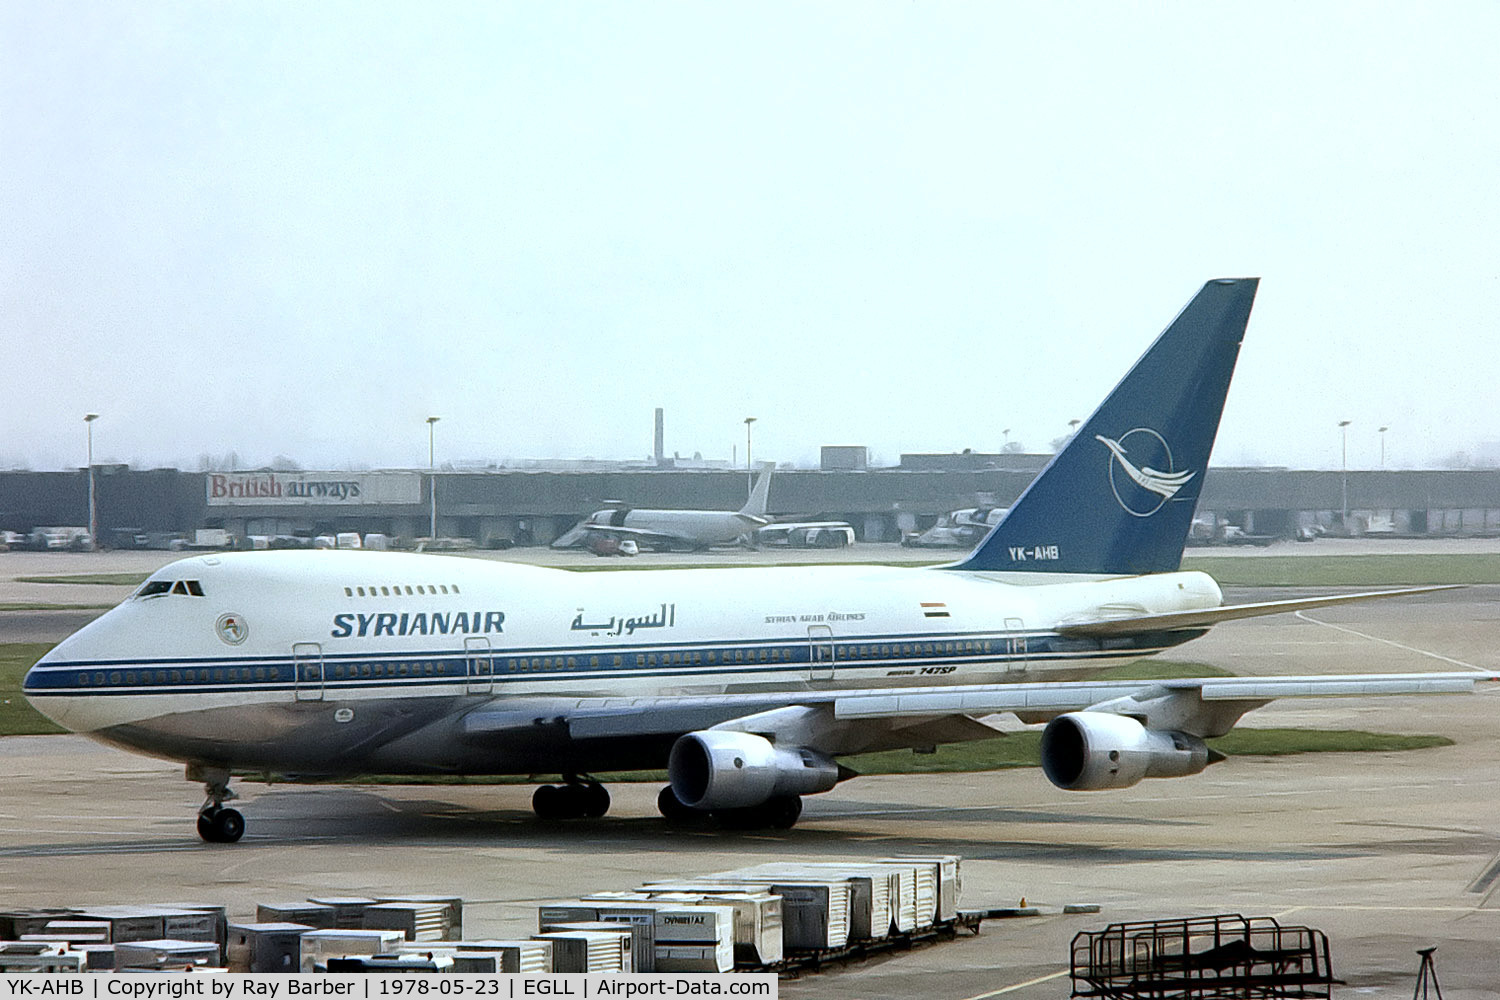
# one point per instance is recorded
(221, 826)
(671, 807)
(547, 802)
(595, 800)
(781, 813)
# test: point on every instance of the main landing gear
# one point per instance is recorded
(217, 824)
(779, 813)
(578, 797)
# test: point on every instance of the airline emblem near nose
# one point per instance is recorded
(1142, 489)
(232, 629)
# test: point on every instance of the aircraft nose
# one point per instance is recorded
(39, 685)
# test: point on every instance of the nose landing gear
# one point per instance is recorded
(217, 824)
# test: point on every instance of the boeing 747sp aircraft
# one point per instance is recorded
(746, 684)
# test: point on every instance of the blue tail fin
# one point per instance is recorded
(1119, 497)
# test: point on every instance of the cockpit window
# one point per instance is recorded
(156, 588)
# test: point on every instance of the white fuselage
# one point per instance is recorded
(362, 660)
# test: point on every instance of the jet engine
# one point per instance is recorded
(1089, 751)
(723, 769)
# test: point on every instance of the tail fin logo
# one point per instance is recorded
(1142, 489)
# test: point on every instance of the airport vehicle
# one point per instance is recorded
(959, 529)
(748, 684)
(664, 530)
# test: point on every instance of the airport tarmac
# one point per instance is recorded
(1386, 853)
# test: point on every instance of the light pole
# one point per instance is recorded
(432, 477)
(88, 421)
(1382, 446)
(1344, 467)
(1006, 432)
(749, 469)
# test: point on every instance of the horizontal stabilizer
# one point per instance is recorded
(1174, 620)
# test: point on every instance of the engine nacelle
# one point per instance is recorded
(723, 769)
(1089, 751)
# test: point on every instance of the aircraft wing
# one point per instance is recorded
(600, 718)
(1172, 621)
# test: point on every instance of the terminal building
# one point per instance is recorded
(500, 507)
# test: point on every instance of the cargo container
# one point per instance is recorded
(947, 880)
(166, 954)
(318, 946)
(642, 943)
(814, 908)
(129, 923)
(528, 957)
(588, 951)
(870, 892)
(348, 911)
(96, 957)
(264, 947)
(455, 905)
(315, 915)
(417, 921)
(757, 919)
(641, 917)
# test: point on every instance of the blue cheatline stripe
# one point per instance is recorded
(63, 680)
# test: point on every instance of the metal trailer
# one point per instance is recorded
(686, 937)
(588, 951)
(757, 918)
(37, 956)
(869, 893)
(340, 942)
(315, 915)
(1202, 958)
(418, 921)
(166, 954)
(348, 911)
(924, 890)
(948, 879)
(454, 904)
(218, 916)
(264, 947)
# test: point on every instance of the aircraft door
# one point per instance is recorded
(307, 671)
(1015, 646)
(480, 662)
(820, 653)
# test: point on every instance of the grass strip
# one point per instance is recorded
(17, 717)
(1413, 569)
(87, 579)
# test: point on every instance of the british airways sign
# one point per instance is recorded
(272, 489)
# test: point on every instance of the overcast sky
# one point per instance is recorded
(300, 229)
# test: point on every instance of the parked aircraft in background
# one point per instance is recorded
(959, 529)
(747, 684)
(675, 529)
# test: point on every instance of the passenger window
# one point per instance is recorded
(421, 589)
(619, 661)
(99, 678)
(455, 588)
(176, 676)
(408, 591)
(640, 660)
(114, 677)
(651, 660)
(712, 656)
(593, 661)
(360, 591)
(348, 592)
(443, 587)
(83, 679)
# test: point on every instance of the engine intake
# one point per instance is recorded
(723, 769)
(1090, 751)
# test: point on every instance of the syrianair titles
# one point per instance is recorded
(747, 685)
